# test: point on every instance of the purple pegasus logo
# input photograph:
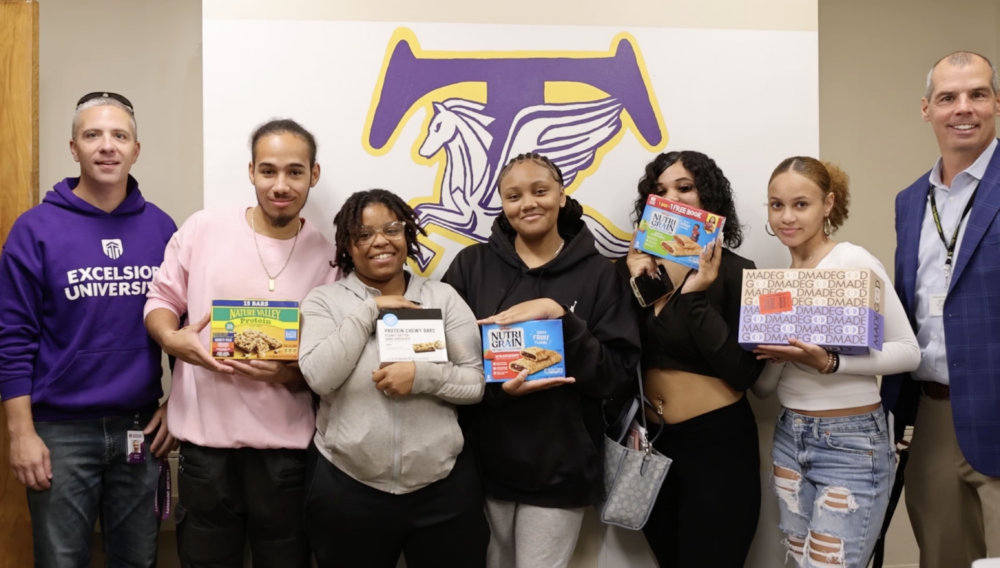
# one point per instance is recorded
(478, 138)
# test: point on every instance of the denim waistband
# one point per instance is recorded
(857, 422)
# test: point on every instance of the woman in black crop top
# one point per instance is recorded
(696, 373)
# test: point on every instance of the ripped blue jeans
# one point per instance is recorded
(832, 477)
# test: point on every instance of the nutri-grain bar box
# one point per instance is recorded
(535, 346)
(837, 309)
(255, 329)
(675, 231)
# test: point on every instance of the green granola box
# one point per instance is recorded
(255, 329)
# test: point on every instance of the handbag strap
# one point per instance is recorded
(643, 401)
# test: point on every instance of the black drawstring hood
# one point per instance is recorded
(578, 247)
(545, 448)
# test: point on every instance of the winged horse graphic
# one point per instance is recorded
(478, 139)
(568, 134)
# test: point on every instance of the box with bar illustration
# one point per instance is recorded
(837, 309)
(411, 335)
(675, 231)
(255, 329)
(534, 346)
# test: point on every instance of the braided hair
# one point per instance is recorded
(570, 215)
(348, 220)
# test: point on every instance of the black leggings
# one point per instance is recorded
(706, 513)
(350, 524)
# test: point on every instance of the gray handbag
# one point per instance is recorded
(632, 478)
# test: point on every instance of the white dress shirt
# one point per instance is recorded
(931, 279)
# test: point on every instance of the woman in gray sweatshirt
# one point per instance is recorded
(386, 473)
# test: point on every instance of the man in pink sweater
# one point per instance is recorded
(244, 427)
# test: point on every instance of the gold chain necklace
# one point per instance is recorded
(270, 279)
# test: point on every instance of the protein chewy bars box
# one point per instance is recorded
(411, 335)
(676, 232)
(535, 346)
(837, 309)
(255, 329)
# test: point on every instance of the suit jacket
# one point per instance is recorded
(971, 320)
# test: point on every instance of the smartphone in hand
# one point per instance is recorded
(648, 289)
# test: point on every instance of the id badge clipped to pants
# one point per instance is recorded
(135, 441)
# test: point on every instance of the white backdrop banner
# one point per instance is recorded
(433, 111)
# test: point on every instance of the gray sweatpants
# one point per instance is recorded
(525, 536)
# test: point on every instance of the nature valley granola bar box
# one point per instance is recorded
(255, 329)
(675, 231)
(534, 346)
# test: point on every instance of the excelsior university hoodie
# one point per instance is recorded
(73, 282)
(546, 448)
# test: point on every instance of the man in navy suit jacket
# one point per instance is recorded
(948, 278)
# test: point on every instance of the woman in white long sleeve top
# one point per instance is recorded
(833, 454)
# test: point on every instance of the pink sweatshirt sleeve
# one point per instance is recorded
(169, 288)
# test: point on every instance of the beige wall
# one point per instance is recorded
(873, 62)
(873, 58)
(150, 52)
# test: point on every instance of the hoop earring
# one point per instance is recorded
(827, 226)
(767, 229)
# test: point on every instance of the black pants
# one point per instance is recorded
(706, 513)
(228, 496)
(352, 525)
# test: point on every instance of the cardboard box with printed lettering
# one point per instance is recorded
(411, 335)
(675, 231)
(533, 346)
(837, 309)
(255, 329)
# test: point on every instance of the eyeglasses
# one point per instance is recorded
(106, 95)
(392, 231)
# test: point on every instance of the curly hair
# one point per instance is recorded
(348, 220)
(570, 215)
(714, 190)
(828, 177)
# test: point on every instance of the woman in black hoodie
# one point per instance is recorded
(540, 443)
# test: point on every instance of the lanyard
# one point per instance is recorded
(949, 247)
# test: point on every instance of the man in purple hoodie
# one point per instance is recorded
(79, 376)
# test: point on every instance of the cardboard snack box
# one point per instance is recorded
(411, 335)
(535, 346)
(676, 232)
(833, 287)
(255, 329)
(845, 330)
